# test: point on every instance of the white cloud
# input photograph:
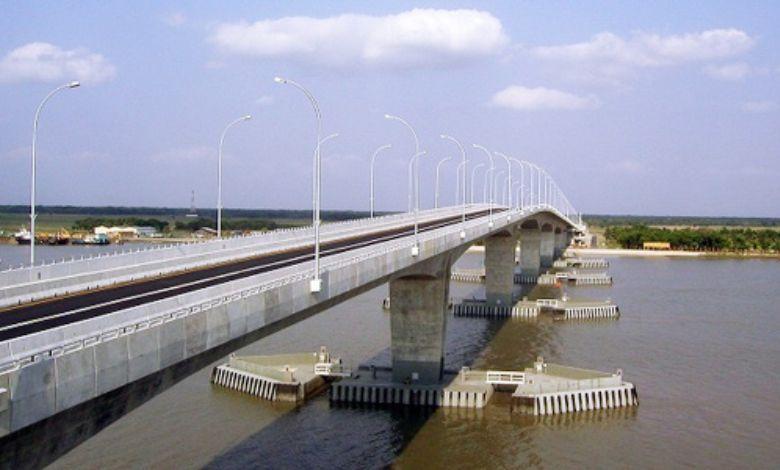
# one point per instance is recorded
(529, 99)
(652, 50)
(730, 72)
(44, 62)
(760, 106)
(415, 38)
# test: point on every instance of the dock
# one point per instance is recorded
(550, 389)
(281, 377)
(374, 386)
(559, 309)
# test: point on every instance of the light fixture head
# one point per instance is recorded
(247, 117)
(280, 80)
(74, 84)
(387, 116)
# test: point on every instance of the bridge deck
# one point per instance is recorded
(40, 315)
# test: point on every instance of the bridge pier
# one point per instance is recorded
(499, 269)
(530, 246)
(418, 325)
(547, 246)
(560, 242)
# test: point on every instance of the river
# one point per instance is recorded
(699, 339)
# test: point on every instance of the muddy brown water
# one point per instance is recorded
(699, 338)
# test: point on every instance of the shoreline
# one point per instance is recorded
(669, 253)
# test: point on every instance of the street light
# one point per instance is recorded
(522, 178)
(316, 283)
(473, 177)
(219, 172)
(412, 163)
(458, 191)
(494, 182)
(373, 157)
(463, 185)
(436, 189)
(491, 170)
(72, 84)
(412, 180)
(509, 175)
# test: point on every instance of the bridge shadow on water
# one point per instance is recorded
(40, 444)
(320, 434)
(317, 434)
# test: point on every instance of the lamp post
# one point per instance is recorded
(463, 185)
(486, 186)
(219, 172)
(522, 179)
(491, 170)
(494, 184)
(371, 178)
(473, 177)
(509, 174)
(436, 189)
(413, 163)
(458, 191)
(72, 84)
(316, 283)
(413, 181)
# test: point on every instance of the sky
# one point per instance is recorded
(652, 108)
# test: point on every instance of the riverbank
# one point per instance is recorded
(667, 253)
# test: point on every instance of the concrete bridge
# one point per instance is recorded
(74, 332)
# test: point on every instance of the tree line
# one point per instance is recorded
(698, 239)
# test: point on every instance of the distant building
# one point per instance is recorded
(656, 246)
(147, 232)
(116, 232)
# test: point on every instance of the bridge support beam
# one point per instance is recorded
(418, 324)
(499, 269)
(547, 247)
(530, 246)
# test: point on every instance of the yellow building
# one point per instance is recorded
(656, 246)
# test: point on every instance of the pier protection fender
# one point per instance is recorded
(500, 269)
(530, 245)
(547, 246)
(418, 323)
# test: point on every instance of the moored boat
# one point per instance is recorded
(23, 236)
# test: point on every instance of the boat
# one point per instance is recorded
(99, 239)
(23, 236)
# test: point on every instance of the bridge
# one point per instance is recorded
(77, 331)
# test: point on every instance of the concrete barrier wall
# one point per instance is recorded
(53, 370)
(24, 285)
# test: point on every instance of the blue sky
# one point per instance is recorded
(641, 108)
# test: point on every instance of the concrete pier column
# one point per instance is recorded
(500, 269)
(560, 242)
(530, 260)
(547, 246)
(418, 320)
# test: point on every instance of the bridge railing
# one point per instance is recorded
(180, 327)
(501, 377)
(30, 349)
